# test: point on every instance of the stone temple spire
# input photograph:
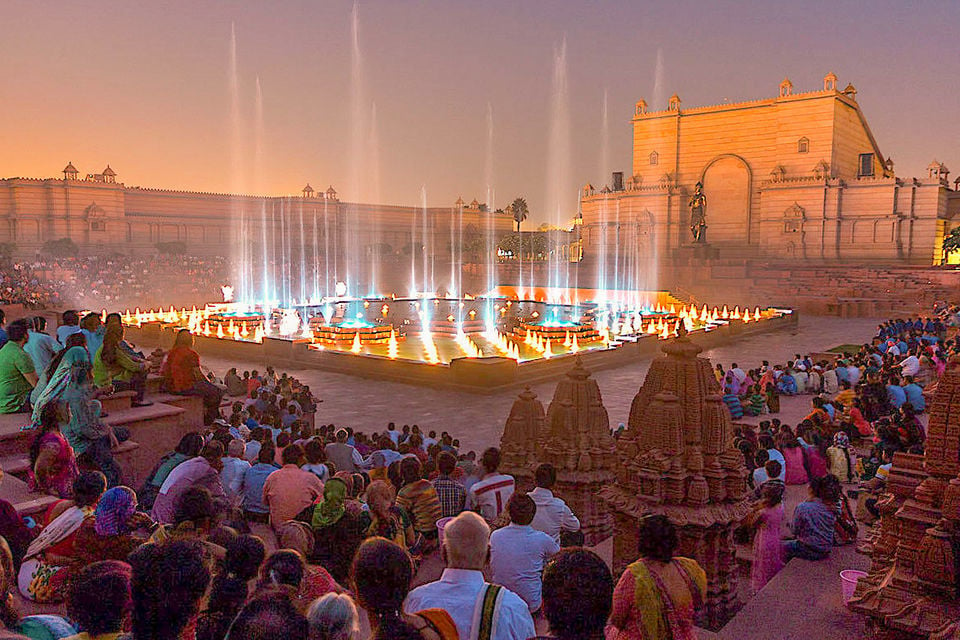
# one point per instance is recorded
(678, 459)
(574, 437)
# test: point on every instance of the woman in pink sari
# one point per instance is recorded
(53, 467)
(768, 519)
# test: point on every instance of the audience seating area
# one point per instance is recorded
(154, 430)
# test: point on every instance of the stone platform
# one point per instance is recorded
(475, 375)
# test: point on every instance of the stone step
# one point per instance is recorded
(117, 401)
(192, 405)
(26, 502)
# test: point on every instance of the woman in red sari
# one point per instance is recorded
(182, 375)
(53, 466)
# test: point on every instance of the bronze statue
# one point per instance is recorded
(698, 215)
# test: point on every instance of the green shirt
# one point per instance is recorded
(122, 371)
(14, 387)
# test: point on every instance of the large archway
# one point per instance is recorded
(726, 184)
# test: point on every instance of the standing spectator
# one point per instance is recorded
(289, 490)
(18, 375)
(452, 495)
(466, 548)
(553, 516)
(490, 494)
(518, 552)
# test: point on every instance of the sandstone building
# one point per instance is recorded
(103, 215)
(798, 177)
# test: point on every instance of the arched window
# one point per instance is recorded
(803, 145)
(654, 157)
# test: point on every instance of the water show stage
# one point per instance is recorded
(481, 344)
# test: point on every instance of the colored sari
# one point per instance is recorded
(657, 606)
(44, 580)
(53, 473)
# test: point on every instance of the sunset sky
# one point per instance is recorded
(146, 87)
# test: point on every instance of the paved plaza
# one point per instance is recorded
(477, 420)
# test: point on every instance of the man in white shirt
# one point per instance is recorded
(853, 375)
(518, 552)
(553, 514)
(910, 365)
(393, 433)
(234, 468)
(461, 587)
(738, 373)
(489, 495)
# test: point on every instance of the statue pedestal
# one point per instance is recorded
(698, 252)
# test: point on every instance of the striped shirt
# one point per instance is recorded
(420, 500)
(490, 494)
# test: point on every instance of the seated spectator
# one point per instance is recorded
(182, 375)
(51, 558)
(333, 617)
(451, 494)
(518, 552)
(842, 462)
(659, 594)
(914, 394)
(202, 471)
(813, 521)
(465, 550)
(489, 495)
(269, 614)
(40, 347)
(188, 447)
(419, 499)
(384, 518)
(91, 326)
(70, 326)
(553, 516)
(113, 367)
(382, 572)
(315, 456)
(289, 490)
(344, 456)
(69, 387)
(18, 375)
(112, 533)
(336, 530)
(167, 585)
(228, 591)
(234, 469)
(251, 489)
(53, 466)
(235, 386)
(577, 595)
(98, 600)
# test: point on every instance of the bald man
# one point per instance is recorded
(474, 604)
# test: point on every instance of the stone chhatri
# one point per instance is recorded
(573, 436)
(678, 459)
(912, 585)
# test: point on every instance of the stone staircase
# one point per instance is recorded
(154, 430)
(835, 290)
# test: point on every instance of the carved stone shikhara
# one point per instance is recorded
(573, 435)
(678, 459)
(912, 583)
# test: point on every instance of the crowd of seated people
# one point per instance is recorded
(115, 281)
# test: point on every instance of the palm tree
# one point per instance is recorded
(519, 210)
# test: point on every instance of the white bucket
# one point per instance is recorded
(441, 524)
(848, 582)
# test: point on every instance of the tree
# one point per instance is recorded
(61, 248)
(951, 243)
(519, 210)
